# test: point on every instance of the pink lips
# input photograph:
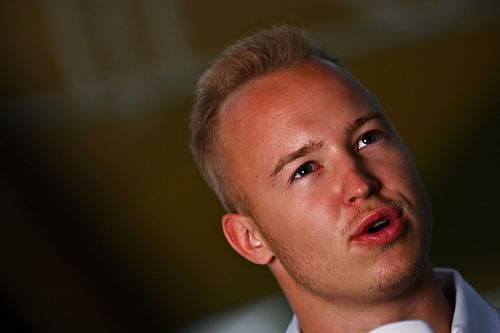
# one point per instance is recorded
(385, 235)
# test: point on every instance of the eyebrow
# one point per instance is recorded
(310, 147)
(363, 120)
(313, 146)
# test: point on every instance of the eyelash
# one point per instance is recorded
(296, 175)
(378, 135)
(315, 165)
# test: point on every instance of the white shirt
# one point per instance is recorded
(472, 313)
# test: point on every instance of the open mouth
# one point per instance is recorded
(383, 225)
(377, 226)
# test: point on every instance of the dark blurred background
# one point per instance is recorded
(106, 225)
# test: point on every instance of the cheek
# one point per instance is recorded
(401, 178)
(397, 172)
(296, 219)
(313, 223)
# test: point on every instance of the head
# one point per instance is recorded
(250, 58)
(319, 185)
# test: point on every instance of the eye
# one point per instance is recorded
(367, 139)
(304, 170)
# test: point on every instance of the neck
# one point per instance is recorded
(424, 300)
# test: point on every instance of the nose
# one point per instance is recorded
(358, 185)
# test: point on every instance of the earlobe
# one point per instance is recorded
(245, 238)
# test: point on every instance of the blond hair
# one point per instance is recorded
(254, 56)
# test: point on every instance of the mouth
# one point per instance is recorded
(382, 226)
(377, 226)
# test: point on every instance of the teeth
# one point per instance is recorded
(376, 226)
(379, 223)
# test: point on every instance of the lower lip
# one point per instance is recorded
(385, 236)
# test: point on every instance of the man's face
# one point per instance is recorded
(331, 186)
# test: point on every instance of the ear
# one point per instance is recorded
(243, 235)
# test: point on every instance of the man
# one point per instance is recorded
(319, 186)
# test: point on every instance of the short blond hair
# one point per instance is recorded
(254, 56)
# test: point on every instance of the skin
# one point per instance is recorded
(315, 154)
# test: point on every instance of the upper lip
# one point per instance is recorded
(386, 212)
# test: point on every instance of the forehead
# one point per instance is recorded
(291, 94)
(270, 115)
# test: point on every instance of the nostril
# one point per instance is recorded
(359, 185)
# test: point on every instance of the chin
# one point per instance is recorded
(397, 278)
(402, 264)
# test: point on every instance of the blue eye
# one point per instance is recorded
(367, 139)
(304, 170)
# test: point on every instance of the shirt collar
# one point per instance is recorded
(471, 314)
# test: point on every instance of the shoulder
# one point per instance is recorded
(472, 312)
